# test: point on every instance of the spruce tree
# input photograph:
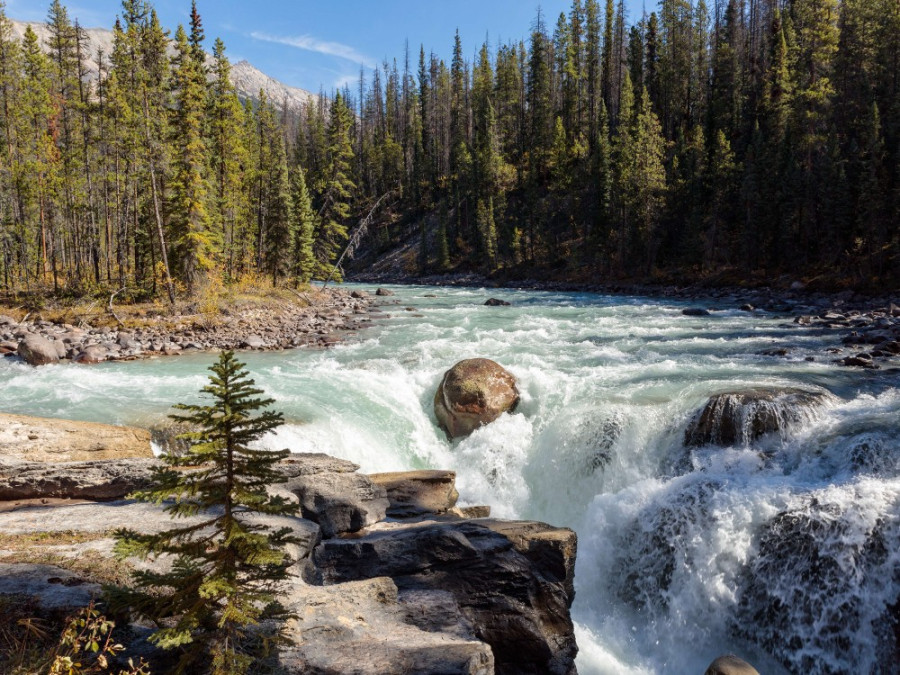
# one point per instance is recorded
(338, 187)
(216, 603)
(193, 239)
(304, 228)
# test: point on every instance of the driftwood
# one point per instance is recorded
(110, 307)
(356, 238)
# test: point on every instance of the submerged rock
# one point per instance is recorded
(823, 580)
(37, 350)
(695, 311)
(494, 302)
(473, 393)
(739, 418)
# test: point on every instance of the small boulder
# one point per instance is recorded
(253, 342)
(473, 393)
(748, 308)
(359, 295)
(730, 665)
(37, 350)
(383, 292)
(695, 311)
(93, 354)
(496, 302)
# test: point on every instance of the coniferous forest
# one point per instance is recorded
(742, 138)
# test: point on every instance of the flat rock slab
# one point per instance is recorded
(364, 628)
(416, 493)
(312, 463)
(54, 587)
(39, 439)
(99, 480)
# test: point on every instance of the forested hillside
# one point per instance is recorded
(747, 137)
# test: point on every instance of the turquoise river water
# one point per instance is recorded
(786, 552)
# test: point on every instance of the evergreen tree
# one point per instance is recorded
(193, 240)
(304, 228)
(217, 600)
(338, 188)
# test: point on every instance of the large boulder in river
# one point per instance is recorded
(741, 417)
(473, 393)
(730, 665)
(37, 350)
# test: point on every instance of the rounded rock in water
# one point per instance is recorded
(473, 393)
(739, 418)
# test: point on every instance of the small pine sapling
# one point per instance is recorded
(217, 601)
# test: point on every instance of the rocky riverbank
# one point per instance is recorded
(319, 319)
(392, 576)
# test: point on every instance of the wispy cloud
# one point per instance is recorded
(311, 44)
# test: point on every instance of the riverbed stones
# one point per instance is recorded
(730, 665)
(742, 417)
(40, 439)
(415, 493)
(473, 393)
(37, 350)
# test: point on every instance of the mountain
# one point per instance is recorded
(247, 79)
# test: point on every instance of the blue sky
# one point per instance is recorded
(316, 43)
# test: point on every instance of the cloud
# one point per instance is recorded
(311, 44)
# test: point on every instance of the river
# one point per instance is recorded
(785, 551)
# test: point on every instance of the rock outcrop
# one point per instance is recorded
(473, 393)
(426, 594)
(741, 417)
(512, 581)
(415, 493)
(39, 439)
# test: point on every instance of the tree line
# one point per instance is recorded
(756, 136)
(153, 175)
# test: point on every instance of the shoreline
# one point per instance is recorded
(271, 326)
